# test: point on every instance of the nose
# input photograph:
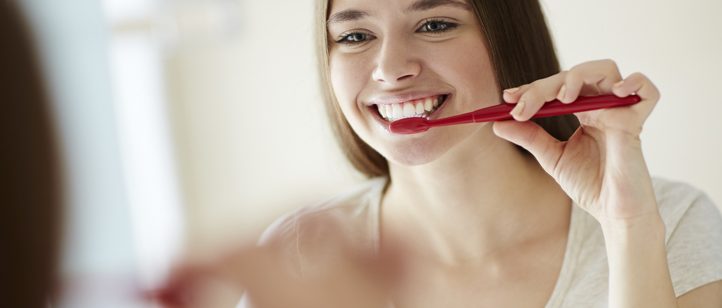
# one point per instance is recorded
(395, 64)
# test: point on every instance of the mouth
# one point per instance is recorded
(419, 108)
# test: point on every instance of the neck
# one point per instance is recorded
(481, 197)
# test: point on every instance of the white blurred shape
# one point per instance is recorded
(98, 257)
(148, 160)
(149, 164)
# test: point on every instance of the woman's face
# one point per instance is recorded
(391, 59)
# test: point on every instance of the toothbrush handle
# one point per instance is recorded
(585, 103)
(556, 107)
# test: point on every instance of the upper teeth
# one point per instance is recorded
(416, 108)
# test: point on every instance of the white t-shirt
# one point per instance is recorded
(693, 238)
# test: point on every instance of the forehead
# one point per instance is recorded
(340, 10)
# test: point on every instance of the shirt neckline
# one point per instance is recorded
(570, 251)
(570, 255)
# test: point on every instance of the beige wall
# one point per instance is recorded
(253, 141)
(252, 136)
(678, 44)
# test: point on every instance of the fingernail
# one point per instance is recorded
(512, 90)
(516, 112)
(563, 93)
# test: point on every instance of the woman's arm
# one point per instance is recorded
(266, 274)
(638, 267)
(638, 271)
(601, 167)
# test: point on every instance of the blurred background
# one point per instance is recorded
(168, 115)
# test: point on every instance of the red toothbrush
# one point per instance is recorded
(501, 112)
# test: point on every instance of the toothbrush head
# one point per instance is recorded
(409, 126)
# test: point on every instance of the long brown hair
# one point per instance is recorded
(521, 51)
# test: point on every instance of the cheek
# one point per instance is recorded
(467, 66)
(345, 85)
(481, 77)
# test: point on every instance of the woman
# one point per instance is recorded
(498, 214)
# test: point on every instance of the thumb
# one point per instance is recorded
(532, 137)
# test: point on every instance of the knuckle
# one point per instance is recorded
(555, 79)
(563, 75)
(653, 91)
(572, 75)
(530, 95)
(611, 67)
(656, 95)
(602, 64)
(609, 62)
(545, 89)
(638, 75)
(577, 67)
(536, 83)
(522, 89)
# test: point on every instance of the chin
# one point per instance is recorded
(414, 154)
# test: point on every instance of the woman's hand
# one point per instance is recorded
(351, 278)
(601, 167)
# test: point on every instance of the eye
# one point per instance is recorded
(354, 38)
(436, 26)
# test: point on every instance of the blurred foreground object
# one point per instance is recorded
(340, 275)
(31, 204)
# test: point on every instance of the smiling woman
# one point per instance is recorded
(520, 52)
(458, 216)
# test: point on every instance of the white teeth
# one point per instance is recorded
(397, 111)
(419, 107)
(416, 108)
(428, 104)
(382, 110)
(409, 110)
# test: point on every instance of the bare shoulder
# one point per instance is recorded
(312, 234)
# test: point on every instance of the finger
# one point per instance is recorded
(178, 290)
(590, 78)
(191, 283)
(248, 264)
(639, 84)
(532, 137)
(536, 95)
(167, 298)
(636, 83)
(512, 95)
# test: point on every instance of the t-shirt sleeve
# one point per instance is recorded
(694, 249)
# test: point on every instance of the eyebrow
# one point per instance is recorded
(346, 15)
(419, 5)
(423, 5)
